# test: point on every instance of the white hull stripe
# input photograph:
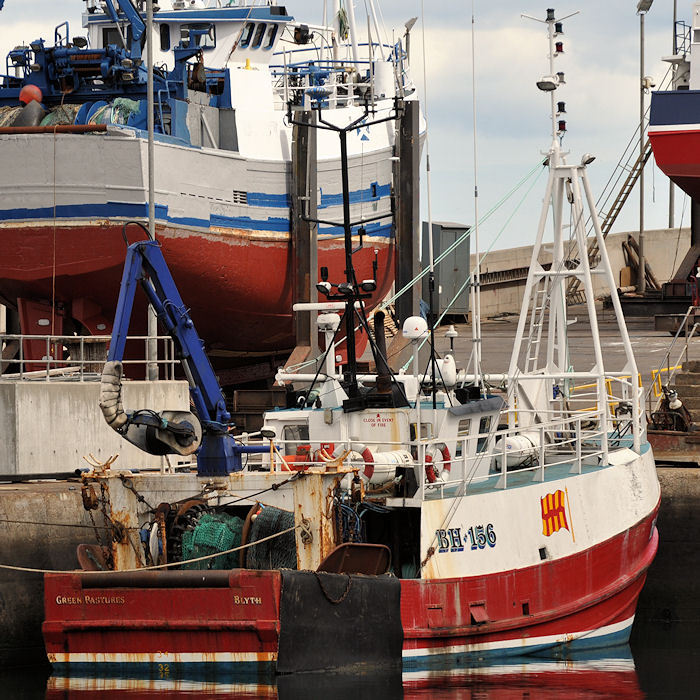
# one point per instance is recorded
(216, 657)
(611, 665)
(105, 685)
(520, 643)
(662, 128)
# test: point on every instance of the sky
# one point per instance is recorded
(601, 64)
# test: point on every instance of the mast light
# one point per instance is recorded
(548, 83)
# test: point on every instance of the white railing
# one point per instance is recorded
(77, 358)
(301, 78)
(574, 442)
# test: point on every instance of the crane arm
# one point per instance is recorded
(169, 432)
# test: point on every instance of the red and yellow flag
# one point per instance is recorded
(554, 513)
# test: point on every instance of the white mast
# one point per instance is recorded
(476, 276)
(541, 375)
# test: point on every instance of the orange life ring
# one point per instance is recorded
(430, 472)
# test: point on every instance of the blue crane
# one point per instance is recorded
(206, 430)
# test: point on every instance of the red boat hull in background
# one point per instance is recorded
(239, 285)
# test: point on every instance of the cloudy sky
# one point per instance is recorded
(601, 64)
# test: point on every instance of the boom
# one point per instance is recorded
(171, 432)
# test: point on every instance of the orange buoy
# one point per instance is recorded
(29, 93)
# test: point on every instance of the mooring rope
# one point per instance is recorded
(31, 570)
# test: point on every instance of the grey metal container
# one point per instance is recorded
(452, 272)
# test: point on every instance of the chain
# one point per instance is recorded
(334, 601)
(129, 484)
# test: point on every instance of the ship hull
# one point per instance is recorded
(223, 219)
(244, 277)
(674, 133)
(255, 624)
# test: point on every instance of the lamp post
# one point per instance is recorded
(643, 6)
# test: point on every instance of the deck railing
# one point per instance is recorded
(78, 358)
(573, 442)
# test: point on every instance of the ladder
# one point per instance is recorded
(574, 293)
(627, 171)
(539, 304)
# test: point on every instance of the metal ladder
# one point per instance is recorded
(627, 170)
(574, 293)
(539, 304)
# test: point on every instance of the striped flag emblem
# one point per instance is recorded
(553, 513)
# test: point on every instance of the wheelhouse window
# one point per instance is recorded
(247, 35)
(165, 37)
(259, 34)
(204, 34)
(294, 435)
(111, 37)
(463, 429)
(484, 427)
(271, 36)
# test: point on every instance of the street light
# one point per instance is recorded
(643, 6)
(409, 26)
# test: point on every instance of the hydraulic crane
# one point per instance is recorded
(205, 430)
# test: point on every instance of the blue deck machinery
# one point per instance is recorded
(207, 429)
(70, 71)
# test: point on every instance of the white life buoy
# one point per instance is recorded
(431, 474)
(359, 452)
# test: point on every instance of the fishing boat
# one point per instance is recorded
(416, 520)
(74, 112)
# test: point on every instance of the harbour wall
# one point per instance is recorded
(672, 591)
(50, 426)
(504, 272)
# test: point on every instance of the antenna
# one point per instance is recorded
(476, 277)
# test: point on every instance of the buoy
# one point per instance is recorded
(30, 93)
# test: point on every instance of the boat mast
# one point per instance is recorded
(476, 276)
(431, 255)
(542, 380)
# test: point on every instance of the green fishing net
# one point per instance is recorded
(214, 532)
(63, 114)
(278, 552)
(117, 112)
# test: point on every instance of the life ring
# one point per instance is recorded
(430, 473)
(362, 451)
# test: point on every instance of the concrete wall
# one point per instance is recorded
(664, 250)
(50, 426)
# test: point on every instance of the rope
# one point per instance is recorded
(74, 525)
(31, 570)
(463, 237)
(483, 257)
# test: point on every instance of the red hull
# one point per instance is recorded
(677, 153)
(238, 285)
(583, 601)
